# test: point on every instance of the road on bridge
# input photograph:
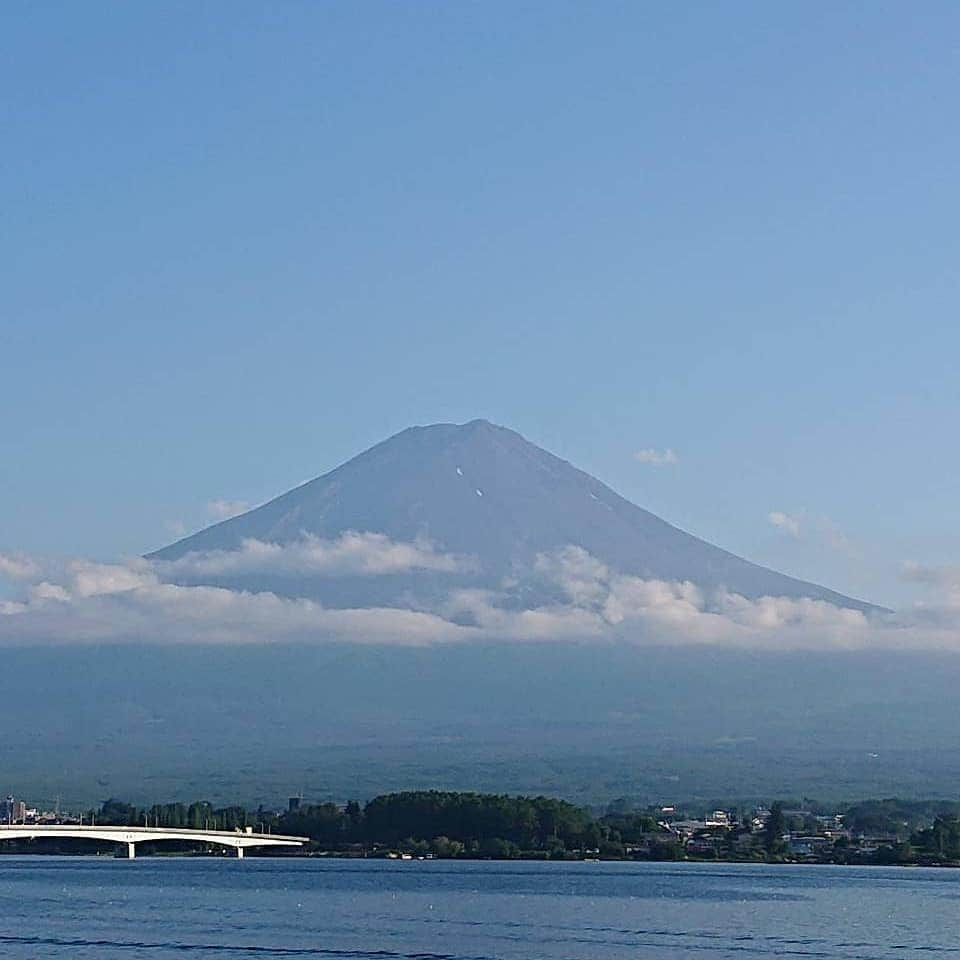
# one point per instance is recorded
(237, 840)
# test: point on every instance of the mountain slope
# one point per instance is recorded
(484, 492)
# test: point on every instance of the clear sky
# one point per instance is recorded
(243, 241)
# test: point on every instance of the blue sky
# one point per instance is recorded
(243, 241)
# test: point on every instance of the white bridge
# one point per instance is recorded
(131, 836)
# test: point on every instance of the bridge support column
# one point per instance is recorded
(131, 851)
(239, 853)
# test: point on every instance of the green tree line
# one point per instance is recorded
(441, 823)
(449, 824)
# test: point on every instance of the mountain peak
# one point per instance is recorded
(483, 491)
(477, 428)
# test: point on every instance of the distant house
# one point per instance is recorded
(685, 829)
(707, 842)
(808, 846)
(719, 818)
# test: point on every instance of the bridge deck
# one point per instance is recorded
(131, 836)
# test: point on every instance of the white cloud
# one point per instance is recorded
(48, 591)
(484, 611)
(169, 614)
(352, 553)
(655, 458)
(88, 579)
(225, 509)
(128, 602)
(580, 575)
(679, 612)
(661, 601)
(815, 530)
(17, 567)
(785, 522)
(82, 601)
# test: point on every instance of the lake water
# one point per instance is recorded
(163, 908)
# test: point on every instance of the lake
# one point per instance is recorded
(159, 908)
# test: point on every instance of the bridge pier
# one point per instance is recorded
(131, 851)
(239, 853)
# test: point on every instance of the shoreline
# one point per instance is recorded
(339, 858)
(403, 860)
